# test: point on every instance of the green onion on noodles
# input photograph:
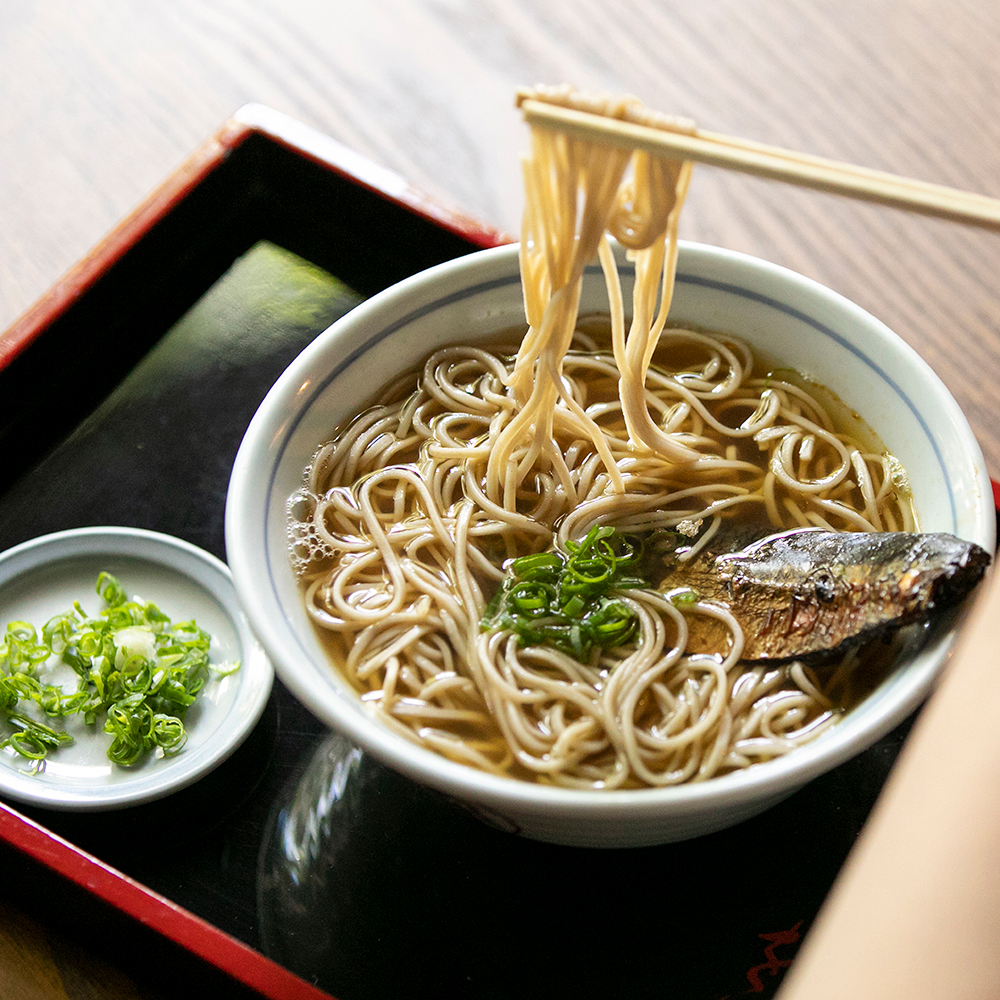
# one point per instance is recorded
(568, 600)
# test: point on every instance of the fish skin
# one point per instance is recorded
(810, 593)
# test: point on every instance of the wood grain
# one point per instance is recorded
(101, 100)
(39, 964)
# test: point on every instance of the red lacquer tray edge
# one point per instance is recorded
(184, 928)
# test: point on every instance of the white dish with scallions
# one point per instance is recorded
(42, 578)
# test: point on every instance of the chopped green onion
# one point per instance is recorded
(135, 667)
(683, 596)
(567, 600)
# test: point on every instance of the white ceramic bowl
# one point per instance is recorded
(791, 317)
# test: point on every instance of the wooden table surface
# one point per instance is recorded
(101, 100)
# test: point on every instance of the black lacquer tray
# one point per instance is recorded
(299, 867)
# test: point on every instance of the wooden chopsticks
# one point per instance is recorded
(772, 162)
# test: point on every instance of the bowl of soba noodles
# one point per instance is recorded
(613, 539)
(500, 566)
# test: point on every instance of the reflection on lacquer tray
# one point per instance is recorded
(372, 886)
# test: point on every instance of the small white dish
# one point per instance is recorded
(43, 577)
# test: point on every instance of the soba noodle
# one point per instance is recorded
(408, 515)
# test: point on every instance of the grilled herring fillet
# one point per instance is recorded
(809, 591)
